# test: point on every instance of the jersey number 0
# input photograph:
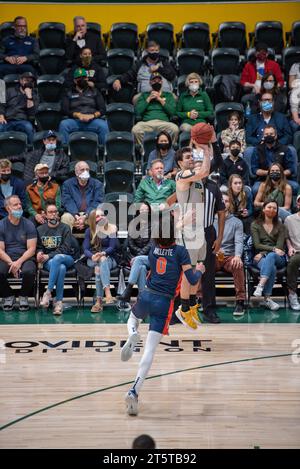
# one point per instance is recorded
(161, 265)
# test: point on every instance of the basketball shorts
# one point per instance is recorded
(159, 308)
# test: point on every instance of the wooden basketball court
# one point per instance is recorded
(225, 386)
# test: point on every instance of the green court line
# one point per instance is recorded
(14, 422)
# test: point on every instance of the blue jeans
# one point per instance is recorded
(138, 272)
(57, 266)
(268, 266)
(102, 278)
(99, 126)
(20, 126)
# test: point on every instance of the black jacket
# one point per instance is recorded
(87, 102)
(239, 167)
(15, 107)
(166, 70)
(95, 74)
(30, 159)
(92, 42)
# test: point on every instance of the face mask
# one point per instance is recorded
(102, 222)
(82, 83)
(20, 34)
(52, 221)
(156, 86)
(261, 56)
(275, 176)
(268, 85)
(153, 55)
(17, 213)
(27, 85)
(50, 146)
(266, 106)
(235, 152)
(44, 179)
(160, 176)
(198, 155)
(270, 213)
(5, 177)
(269, 139)
(163, 146)
(84, 176)
(86, 60)
(193, 88)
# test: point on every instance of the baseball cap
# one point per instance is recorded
(80, 72)
(298, 197)
(28, 75)
(50, 133)
(155, 75)
(40, 166)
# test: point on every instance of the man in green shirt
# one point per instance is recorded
(155, 108)
(155, 189)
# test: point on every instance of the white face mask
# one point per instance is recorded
(85, 175)
(193, 87)
(160, 176)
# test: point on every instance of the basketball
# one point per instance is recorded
(202, 133)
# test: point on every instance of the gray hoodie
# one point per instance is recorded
(232, 243)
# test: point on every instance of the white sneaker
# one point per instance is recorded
(270, 304)
(127, 349)
(131, 400)
(258, 290)
(47, 297)
(294, 303)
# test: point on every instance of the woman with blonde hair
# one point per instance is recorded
(240, 201)
(193, 105)
(275, 188)
(100, 248)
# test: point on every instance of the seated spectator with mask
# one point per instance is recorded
(80, 195)
(9, 185)
(37, 194)
(234, 164)
(18, 239)
(84, 105)
(50, 153)
(20, 106)
(165, 152)
(95, 74)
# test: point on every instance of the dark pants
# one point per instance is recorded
(28, 273)
(208, 278)
(293, 271)
(6, 69)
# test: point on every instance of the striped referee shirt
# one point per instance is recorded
(213, 202)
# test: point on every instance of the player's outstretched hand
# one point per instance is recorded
(200, 266)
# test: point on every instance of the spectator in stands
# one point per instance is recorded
(18, 239)
(41, 190)
(165, 152)
(193, 105)
(155, 189)
(155, 108)
(151, 62)
(2, 91)
(257, 122)
(275, 188)
(138, 247)
(50, 153)
(240, 201)
(271, 150)
(234, 164)
(100, 248)
(95, 74)
(84, 106)
(295, 104)
(80, 195)
(234, 131)
(82, 38)
(294, 73)
(54, 251)
(20, 106)
(9, 185)
(231, 258)
(269, 239)
(292, 222)
(269, 84)
(19, 51)
(255, 69)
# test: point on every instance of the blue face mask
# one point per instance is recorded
(266, 106)
(17, 213)
(50, 146)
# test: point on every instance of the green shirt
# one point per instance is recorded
(154, 109)
(200, 103)
(264, 242)
(149, 192)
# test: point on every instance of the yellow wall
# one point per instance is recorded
(249, 13)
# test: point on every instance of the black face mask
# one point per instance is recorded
(163, 146)
(52, 221)
(5, 177)
(235, 152)
(153, 55)
(156, 86)
(27, 85)
(275, 176)
(44, 179)
(82, 83)
(269, 139)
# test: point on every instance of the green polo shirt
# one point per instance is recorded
(149, 192)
